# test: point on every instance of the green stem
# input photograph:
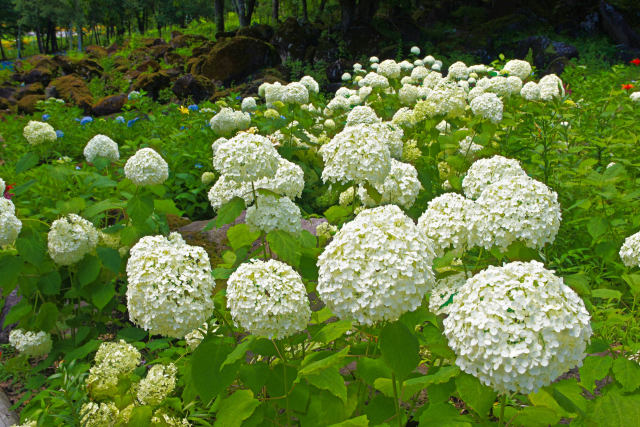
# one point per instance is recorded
(503, 404)
(396, 400)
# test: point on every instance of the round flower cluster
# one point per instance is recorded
(33, 344)
(468, 147)
(550, 87)
(458, 71)
(517, 327)
(217, 143)
(404, 117)
(630, 251)
(400, 187)
(488, 106)
(444, 292)
(70, 239)
(161, 418)
(246, 157)
(449, 101)
(112, 361)
(518, 68)
(484, 172)
(226, 189)
(274, 213)
(248, 104)
(359, 153)
(170, 285)
(419, 73)
(39, 132)
(295, 93)
(515, 85)
(101, 146)
(530, 91)
(447, 222)
(376, 268)
(389, 69)
(374, 80)
(311, 84)
(10, 225)
(635, 97)
(98, 415)
(362, 115)
(288, 180)
(157, 385)
(517, 208)
(268, 299)
(408, 94)
(146, 167)
(228, 120)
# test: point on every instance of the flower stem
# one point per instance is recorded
(396, 400)
(503, 404)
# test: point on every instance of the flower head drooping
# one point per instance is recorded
(170, 285)
(376, 268)
(630, 251)
(112, 361)
(274, 213)
(146, 167)
(484, 172)
(246, 157)
(70, 239)
(98, 415)
(157, 385)
(39, 132)
(32, 344)
(268, 299)
(101, 146)
(517, 327)
(400, 187)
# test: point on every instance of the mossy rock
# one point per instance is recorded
(109, 105)
(152, 83)
(97, 52)
(27, 104)
(73, 89)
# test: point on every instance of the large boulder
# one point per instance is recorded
(546, 52)
(72, 89)
(41, 75)
(27, 104)
(85, 68)
(616, 27)
(293, 40)
(109, 105)
(30, 89)
(235, 58)
(149, 65)
(152, 83)
(257, 31)
(197, 88)
(97, 52)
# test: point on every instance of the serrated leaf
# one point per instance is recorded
(140, 207)
(330, 380)
(110, 258)
(238, 352)
(47, 316)
(102, 293)
(17, 312)
(606, 294)
(335, 214)
(319, 365)
(10, 269)
(206, 360)
(475, 394)
(236, 408)
(361, 421)
(627, 373)
(285, 246)
(32, 248)
(399, 348)
(594, 368)
(88, 270)
(241, 235)
(167, 206)
(332, 331)
(230, 211)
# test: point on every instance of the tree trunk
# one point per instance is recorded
(79, 29)
(4, 57)
(19, 41)
(53, 37)
(347, 11)
(244, 9)
(275, 6)
(219, 12)
(305, 13)
(39, 39)
(323, 3)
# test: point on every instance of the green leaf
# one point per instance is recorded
(110, 258)
(332, 331)
(594, 368)
(627, 373)
(361, 421)
(597, 226)
(475, 394)
(222, 273)
(209, 380)
(10, 269)
(131, 334)
(167, 206)
(443, 414)
(47, 316)
(82, 351)
(236, 408)
(238, 352)
(335, 214)
(140, 416)
(606, 294)
(17, 312)
(241, 235)
(319, 365)
(532, 416)
(26, 162)
(633, 280)
(140, 207)
(88, 270)
(399, 348)
(285, 246)
(101, 206)
(50, 283)
(102, 293)
(330, 380)
(373, 192)
(32, 247)
(616, 409)
(230, 211)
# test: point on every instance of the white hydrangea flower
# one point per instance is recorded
(488, 106)
(373, 59)
(517, 327)
(551, 87)
(474, 93)
(310, 83)
(329, 124)
(437, 66)
(10, 225)
(408, 94)
(70, 239)
(162, 419)
(418, 63)
(346, 77)
(338, 103)
(103, 146)
(515, 85)
(39, 132)
(468, 147)
(27, 423)
(34, 344)
(246, 157)
(268, 299)
(157, 385)
(517, 208)
(449, 101)
(146, 167)
(519, 68)
(227, 121)
(112, 361)
(6, 205)
(630, 251)
(499, 85)
(226, 189)
(358, 153)
(404, 117)
(432, 79)
(195, 337)
(443, 127)
(429, 60)
(447, 222)
(444, 292)
(288, 180)
(347, 196)
(405, 66)
(415, 50)
(635, 97)
(248, 104)
(295, 93)
(484, 172)
(362, 114)
(376, 268)
(208, 178)
(170, 285)
(357, 67)
(274, 213)
(375, 80)
(364, 92)
(217, 143)
(273, 92)
(419, 73)
(458, 71)
(530, 91)
(400, 187)
(98, 415)
(2, 187)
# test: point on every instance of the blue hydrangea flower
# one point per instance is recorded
(283, 117)
(131, 122)
(120, 119)
(193, 107)
(199, 166)
(46, 117)
(181, 127)
(238, 98)
(59, 133)
(133, 95)
(85, 120)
